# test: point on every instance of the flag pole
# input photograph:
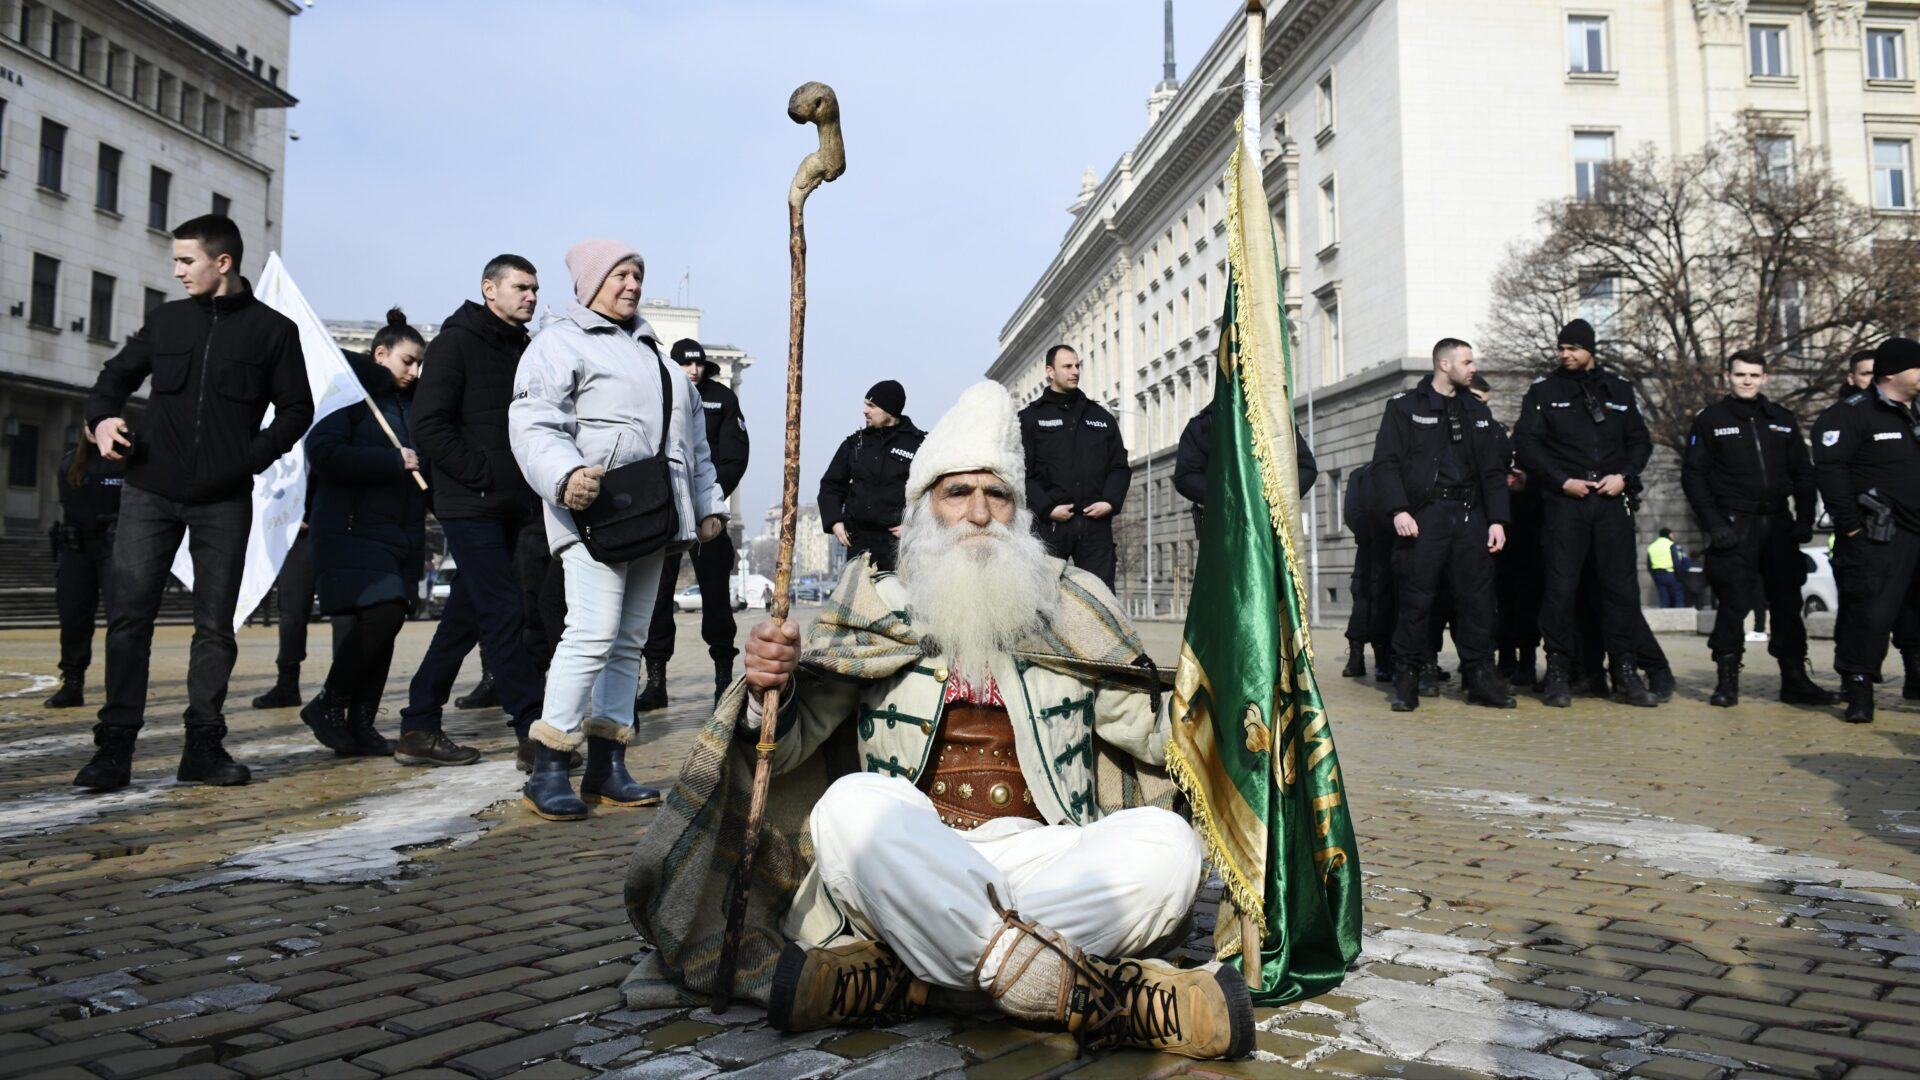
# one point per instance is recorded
(1250, 966)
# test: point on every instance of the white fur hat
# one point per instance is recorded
(981, 433)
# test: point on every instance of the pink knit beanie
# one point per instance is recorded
(590, 261)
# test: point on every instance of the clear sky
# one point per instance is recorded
(435, 135)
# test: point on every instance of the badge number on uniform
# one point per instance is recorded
(1829, 438)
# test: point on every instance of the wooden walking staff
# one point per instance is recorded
(813, 103)
(381, 419)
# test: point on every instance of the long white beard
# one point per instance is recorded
(976, 593)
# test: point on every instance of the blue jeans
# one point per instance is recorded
(485, 606)
(147, 535)
(1672, 593)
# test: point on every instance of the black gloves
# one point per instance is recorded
(1803, 532)
(1723, 537)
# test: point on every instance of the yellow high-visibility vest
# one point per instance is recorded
(1660, 554)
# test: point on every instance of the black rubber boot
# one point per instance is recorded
(548, 792)
(112, 766)
(285, 692)
(1486, 687)
(1796, 688)
(1356, 663)
(70, 694)
(363, 735)
(1526, 670)
(1406, 689)
(1911, 691)
(607, 781)
(1554, 693)
(326, 716)
(1629, 687)
(1859, 691)
(1726, 691)
(483, 696)
(1660, 682)
(654, 695)
(205, 761)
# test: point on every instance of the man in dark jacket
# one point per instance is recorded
(863, 494)
(218, 360)
(1440, 476)
(713, 560)
(1745, 458)
(1866, 460)
(1580, 435)
(83, 555)
(483, 503)
(1077, 471)
(1196, 445)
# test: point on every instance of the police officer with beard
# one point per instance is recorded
(1745, 458)
(1866, 459)
(1581, 435)
(863, 495)
(1077, 471)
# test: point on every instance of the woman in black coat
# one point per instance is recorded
(368, 532)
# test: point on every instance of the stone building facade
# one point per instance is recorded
(1406, 144)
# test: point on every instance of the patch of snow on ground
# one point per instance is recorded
(35, 684)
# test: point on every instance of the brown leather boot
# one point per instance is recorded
(858, 984)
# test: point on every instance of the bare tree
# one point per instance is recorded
(1679, 262)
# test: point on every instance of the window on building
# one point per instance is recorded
(1790, 304)
(100, 308)
(116, 73)
(1186, 311)
(3, 134)
(1767, 51)
(1592, 153)
(46, 292)
(1329, 214)
(150, 299)
(92, 55)
(23, 457)
(29, 28)
(1886, 53)
(1776, 158)
(143, 83)
(222, 205)
(1330, 345)
(1599, 299)
(1323, 104)
(59, 40)
(1587, 44)
(106, 187)
(53, 153)
(1892, 174)
(159, 184)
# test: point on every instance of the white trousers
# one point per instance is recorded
(596, 665)
(1111, 888)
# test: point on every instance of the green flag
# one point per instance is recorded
(1252, 747)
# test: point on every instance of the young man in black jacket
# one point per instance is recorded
(218, 359)
(713, 560)
(863, 494)
(460, 425)
(1077, 471)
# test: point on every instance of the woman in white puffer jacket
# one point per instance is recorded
(586, 400)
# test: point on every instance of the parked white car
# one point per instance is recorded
(1820, 593)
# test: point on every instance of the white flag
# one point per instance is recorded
(280, 493)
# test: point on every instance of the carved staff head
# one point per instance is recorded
(815, 103)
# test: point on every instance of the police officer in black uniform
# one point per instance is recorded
(82, 549)
(1077, 471)
(864, 492)
(1745, 458)
(1196, 447)
(1866, 459)
(1581, 436)
(1440, 476)
(713, 560)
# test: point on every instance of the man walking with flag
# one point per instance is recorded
(218, 360)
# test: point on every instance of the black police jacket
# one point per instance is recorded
(1573, 426)
(1746, 458)
(368, 519)
(726, 433)
(460, 416)
(1196, 445)
(866, 484)
(1074, 454)
(216, 363)
(1415, 432)
(1358, 513)
(1862, 444)
(93, 504)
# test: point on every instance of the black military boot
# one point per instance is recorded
(1486, 687)
(607, 780)
(1356, 663)
(1796, 688)
(205, 761)
(1629, 687)
(1503, 663)
(112, 766)
(285, 691)
(1382, 667)
(1525, 669)
(483, 696)
(548, 792)
(326, 716)
(1911, 691)
(1859, 691)
(363, 734)
(654, 694)
(70, 695)
(1660, 682)
(1431, 676)
(1726, 692)
(1554, 692)
(1406, 689)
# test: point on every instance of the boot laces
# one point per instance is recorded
(1145, 1010)
(874, 991)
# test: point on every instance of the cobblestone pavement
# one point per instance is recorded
(1686, 892)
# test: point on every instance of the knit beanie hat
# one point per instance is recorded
(1895, 354)
(981, 433)
(889, 395)
(590, 261)
(1578, 333)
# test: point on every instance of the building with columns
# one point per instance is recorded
(118, 120)
(1405, 145)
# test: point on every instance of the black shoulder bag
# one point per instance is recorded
(635, 514)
